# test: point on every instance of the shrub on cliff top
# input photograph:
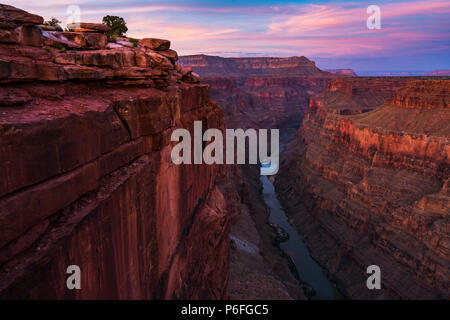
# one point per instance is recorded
(54, 23)
(117, 24)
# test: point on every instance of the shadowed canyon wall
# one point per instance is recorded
(87, 176)
(369, 184)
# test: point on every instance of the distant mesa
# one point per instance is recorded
(214, 66)
(440, 73)
(344, 72)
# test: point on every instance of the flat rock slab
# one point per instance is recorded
(125, 43)
(155, 44)
(88, 27)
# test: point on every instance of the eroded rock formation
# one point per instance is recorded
(368, 184)
(87, 176)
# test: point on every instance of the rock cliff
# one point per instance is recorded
(87, 177)
(366, 182)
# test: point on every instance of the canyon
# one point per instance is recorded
(260, 93)
(88, 178)
(364, 180)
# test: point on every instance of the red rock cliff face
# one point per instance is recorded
(372, 187)
(87, 176)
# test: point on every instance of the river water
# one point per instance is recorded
(308, 270)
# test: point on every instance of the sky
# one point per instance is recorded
(413, 35)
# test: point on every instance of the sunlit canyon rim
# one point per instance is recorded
(88, 179)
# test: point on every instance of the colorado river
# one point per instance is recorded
(308, 269)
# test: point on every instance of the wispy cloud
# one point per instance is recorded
(413, 32)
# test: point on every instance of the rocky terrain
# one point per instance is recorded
(366, 182)
(87, 177)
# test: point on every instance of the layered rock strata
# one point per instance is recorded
(87, 176)
(369, 186)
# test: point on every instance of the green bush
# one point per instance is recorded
(117, 24)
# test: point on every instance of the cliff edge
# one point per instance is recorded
(87, 177)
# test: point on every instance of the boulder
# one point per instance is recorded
(171, 54)
(155, 44)
(88, 27)
(10, 17)
(190, 77)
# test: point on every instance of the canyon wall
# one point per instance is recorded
(87, 176)
(367, 183)
(260, 92)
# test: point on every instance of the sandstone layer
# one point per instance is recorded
(367, 183)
